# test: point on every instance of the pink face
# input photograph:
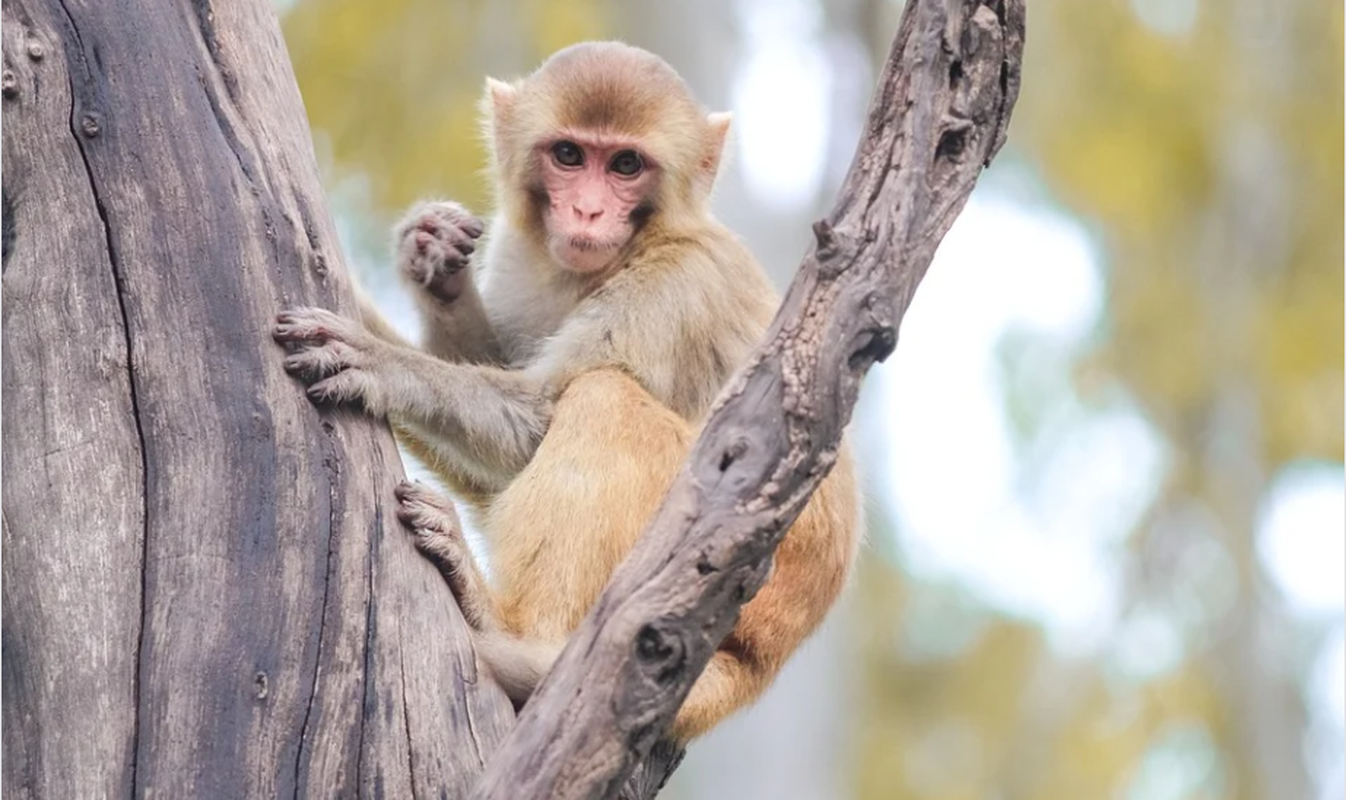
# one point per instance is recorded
(593, 186)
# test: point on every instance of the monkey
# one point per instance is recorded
(565, 372)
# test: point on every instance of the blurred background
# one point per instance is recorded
(1107, 549)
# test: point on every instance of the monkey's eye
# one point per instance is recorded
(567, 154)
(627, 163)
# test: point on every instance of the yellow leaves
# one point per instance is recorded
(1007, 716)
(557, 25)
(1212, 165)
(1159, 360)
(392, 86)
(1298, 335)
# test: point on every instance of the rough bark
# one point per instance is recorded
(939, 116)
(204, 591)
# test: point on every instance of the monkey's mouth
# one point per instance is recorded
(584, 254)
(584, 244)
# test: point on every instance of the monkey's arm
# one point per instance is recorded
(458, 331)
(487, 419)
(432, 245)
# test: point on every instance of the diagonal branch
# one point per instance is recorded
(940, 115)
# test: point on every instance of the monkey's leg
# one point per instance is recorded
(439, 537)
(490, 419)
(601, 471)
(433, 243)
(808, 572)
(728, 683)
(517, 664)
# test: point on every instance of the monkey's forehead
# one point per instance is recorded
(613, 86)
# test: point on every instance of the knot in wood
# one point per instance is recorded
(834, 249)
(9, 85)
(732, 453)
(660, 651)
(823, 235)
(260, 682)
(953, 141)
(89, 125)
(36, 51)
(872, 345)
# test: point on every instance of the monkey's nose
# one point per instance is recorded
(588, 216)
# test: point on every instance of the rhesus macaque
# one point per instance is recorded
(565, 375)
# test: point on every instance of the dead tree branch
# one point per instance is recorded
(940, 114)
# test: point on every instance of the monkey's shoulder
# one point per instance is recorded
(708, 263)
(680, 319)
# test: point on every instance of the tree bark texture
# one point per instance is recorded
(940, 114)
(205, 591)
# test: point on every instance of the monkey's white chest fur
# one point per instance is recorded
(526, 297)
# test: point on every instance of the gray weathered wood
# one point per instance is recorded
(940, 114)
(205, 591)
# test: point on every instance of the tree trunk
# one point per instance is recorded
(204, 591)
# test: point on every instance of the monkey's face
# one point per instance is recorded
(598, 193)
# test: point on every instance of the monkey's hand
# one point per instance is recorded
(433, 243)
(439, 536)
(337, 357)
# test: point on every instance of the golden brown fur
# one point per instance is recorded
(573, 398)
(575, 511)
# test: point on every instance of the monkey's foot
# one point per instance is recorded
(433, 243)
(434, 523)
(334, 355)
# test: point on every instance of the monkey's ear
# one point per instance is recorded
(497, 112)
(500, 97)
(717, 131)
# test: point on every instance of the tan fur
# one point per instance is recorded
(576, 510)
(575, 398)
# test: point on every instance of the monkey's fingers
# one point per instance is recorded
(435, 266)
(435, 253)
(426, 513)
(310, 325)
(317, 362)
(448, 236)
(456, 216)
(469, 224)
(347, 386)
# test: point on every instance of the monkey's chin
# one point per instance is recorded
(583, 256)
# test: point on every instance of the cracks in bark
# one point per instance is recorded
(406, 716)
(83, 128)
(370, 699)
(334, 507)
